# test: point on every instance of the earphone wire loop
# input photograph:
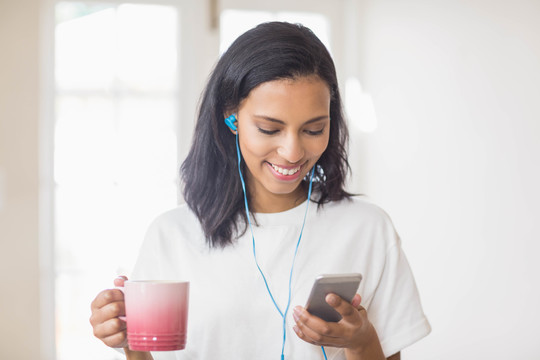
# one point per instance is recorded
(283, 314)
(251, 228)
(294, 259)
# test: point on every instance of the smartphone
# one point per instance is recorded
(343, 285)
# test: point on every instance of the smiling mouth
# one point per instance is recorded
(286, 172)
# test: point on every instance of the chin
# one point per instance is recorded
(284, 189)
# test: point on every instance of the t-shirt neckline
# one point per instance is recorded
(293, 216)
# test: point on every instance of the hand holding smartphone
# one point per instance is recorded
(343, 285)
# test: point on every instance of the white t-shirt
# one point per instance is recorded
(231, 315)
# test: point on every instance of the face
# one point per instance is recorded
(283, 129)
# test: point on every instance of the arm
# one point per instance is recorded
(137, 355)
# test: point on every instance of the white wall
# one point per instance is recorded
(455, 160)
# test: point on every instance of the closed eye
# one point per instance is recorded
(315, 132)
(267, 132)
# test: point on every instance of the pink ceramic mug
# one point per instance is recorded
(156, 314)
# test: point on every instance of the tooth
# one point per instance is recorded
(285, 171)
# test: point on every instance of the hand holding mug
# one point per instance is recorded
(107, 307)
(142, 315)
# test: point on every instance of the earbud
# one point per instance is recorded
(230, 122)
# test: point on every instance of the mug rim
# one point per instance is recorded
(155, 282)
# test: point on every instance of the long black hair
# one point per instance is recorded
(211, 184)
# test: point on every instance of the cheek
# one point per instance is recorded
(318, 146)
(254, 148)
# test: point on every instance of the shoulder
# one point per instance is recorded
(355, 207)
(360, 219)
(178, 216)
(175, 224)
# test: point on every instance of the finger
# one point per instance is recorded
(107, 312)
(314, 322)
(106, 297)
(315, 338)
(119, 281)
(357, 299)
(118, 340)
(315, 330)
(111, 332)
(109, 328)
(303, 336)
(114, 310)
(345, 309)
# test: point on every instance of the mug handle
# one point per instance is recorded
(121, 288)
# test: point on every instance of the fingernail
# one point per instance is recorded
(297, 310)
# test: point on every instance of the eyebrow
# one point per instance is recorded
(269, 118)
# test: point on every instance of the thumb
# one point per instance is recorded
(357, 299)
(119, 281)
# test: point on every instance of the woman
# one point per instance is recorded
(267, 168)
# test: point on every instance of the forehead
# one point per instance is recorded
(301, 96)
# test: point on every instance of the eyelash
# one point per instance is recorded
(315, 133)
(268, 132)
(309, 132)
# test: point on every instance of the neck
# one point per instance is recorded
(274, 203)
(276, 206)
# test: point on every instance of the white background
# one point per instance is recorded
(455, 161)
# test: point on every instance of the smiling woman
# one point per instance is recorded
(281, 146)
(268, 64)
(271, 113)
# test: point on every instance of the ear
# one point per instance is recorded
(232, 122)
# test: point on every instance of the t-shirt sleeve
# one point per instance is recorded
(395, 309)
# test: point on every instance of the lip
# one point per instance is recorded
(287, 178)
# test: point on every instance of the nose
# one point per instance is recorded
(291, 149)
